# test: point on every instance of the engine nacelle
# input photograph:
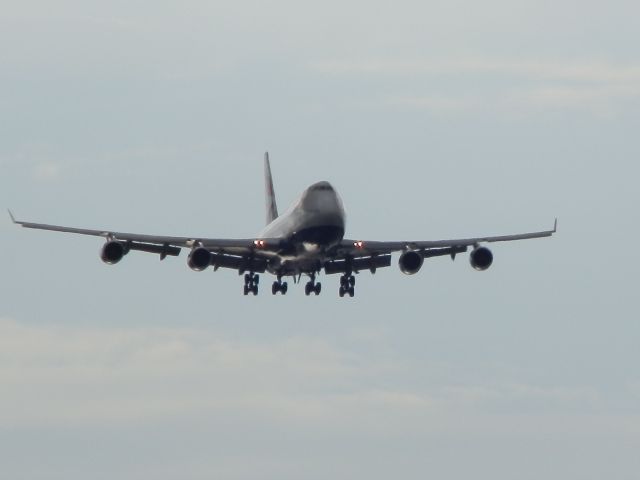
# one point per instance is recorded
(481, 258)
(199, 259)
(410, 262)
(112, 252)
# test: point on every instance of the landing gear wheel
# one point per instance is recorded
(347, 280)
(311, 286)
(347, 284)
(279, 286)
(251, 283)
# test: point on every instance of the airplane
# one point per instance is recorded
(307, 239)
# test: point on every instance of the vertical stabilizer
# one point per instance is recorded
(272, 208)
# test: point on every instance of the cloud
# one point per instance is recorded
(47, 171)
(80, 376)
(442, 103)
(170, 402)
(98, 375)
(600, 98)
(489, 84)
(586, 71)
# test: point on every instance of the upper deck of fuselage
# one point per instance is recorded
(322, 186)
(319, 206)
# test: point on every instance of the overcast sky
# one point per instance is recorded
(433, 120)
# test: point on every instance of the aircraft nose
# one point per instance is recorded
(319, 186)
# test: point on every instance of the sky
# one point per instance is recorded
(433, 120)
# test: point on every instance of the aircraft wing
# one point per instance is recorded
(361, 248)
(242, 246)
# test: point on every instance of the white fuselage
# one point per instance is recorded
(313, 224)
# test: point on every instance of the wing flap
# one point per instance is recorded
(356, 264)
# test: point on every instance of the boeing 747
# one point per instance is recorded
(306, 240)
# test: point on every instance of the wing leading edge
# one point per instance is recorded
(359, 248)
(242, 246)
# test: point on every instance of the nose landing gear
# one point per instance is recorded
(251, 281)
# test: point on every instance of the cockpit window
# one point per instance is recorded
(323, 186)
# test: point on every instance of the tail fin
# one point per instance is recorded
(272, 208)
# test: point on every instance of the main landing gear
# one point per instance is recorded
(251, 281)
(279, 286)
(312, 287)
(347, 285)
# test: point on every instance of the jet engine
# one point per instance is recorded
(410, 262)
(481, 258)
(112, 252)
(199, 259)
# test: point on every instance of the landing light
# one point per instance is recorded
(359, 244)
(259, 243)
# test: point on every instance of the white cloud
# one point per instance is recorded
(599, 98)
(585, 71)
(435, 103)
(83, 375)
(307, 399)
(594, 86)
(53, 376)
(47, 171)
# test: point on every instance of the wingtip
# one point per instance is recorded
(13, 219)
(555, 225)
